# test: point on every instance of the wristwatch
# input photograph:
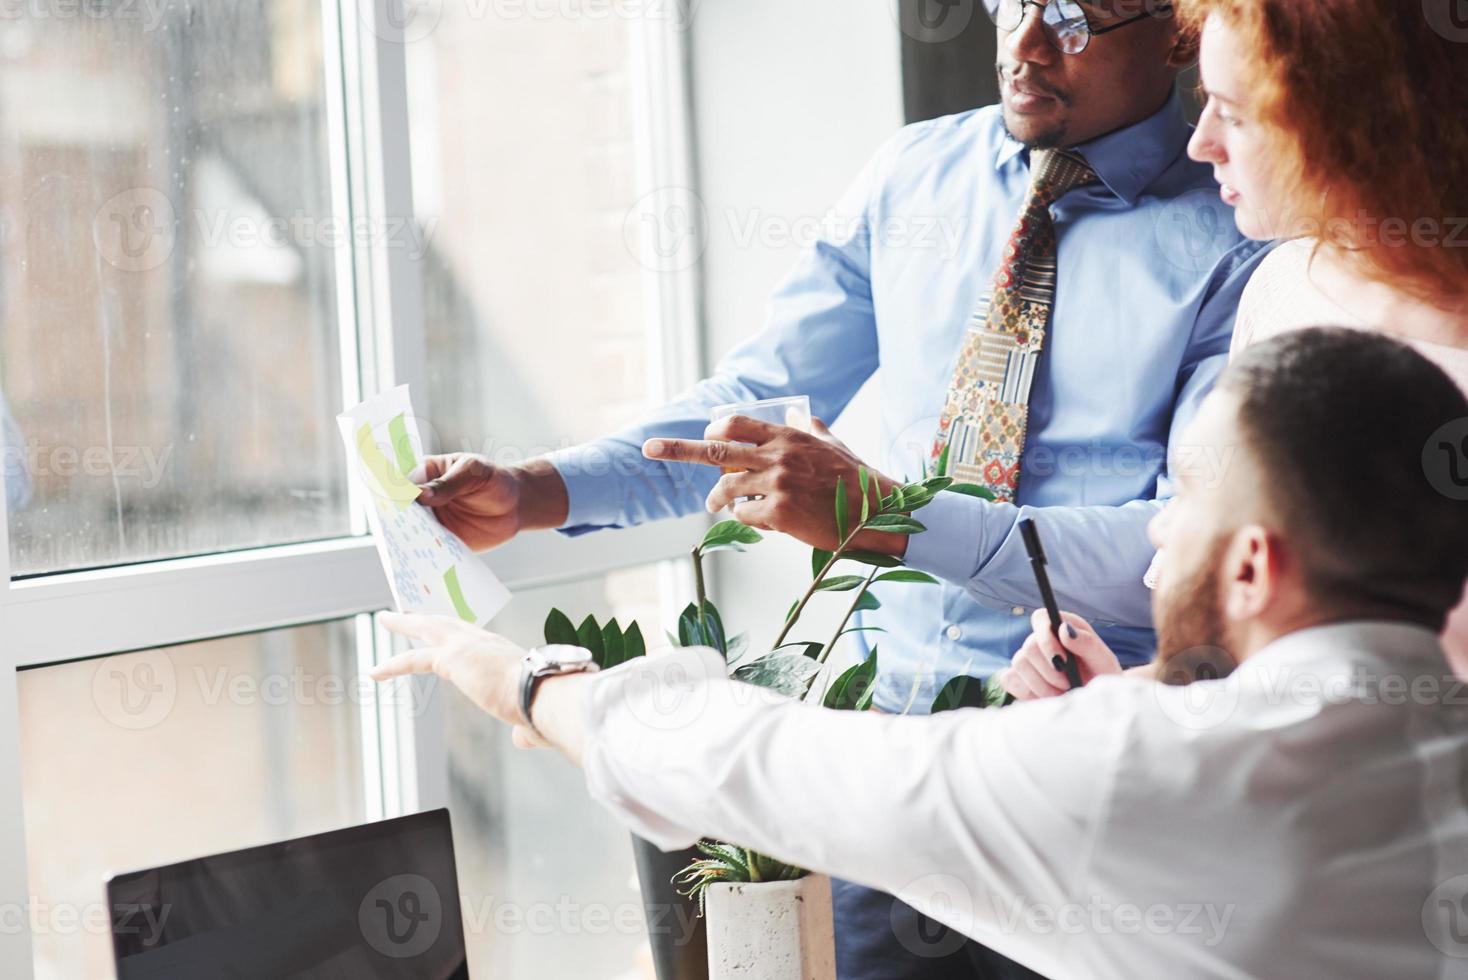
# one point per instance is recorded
(549, 661)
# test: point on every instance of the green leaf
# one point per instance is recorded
(840, 583)
(588, 635)
(907, 575)
(690, 631)
(791, 611)
(811, 650)
(818, 561)
(915, 498)
(867, 603)
(961, 692)
(785, 673)
(729, 536)
(853, 686)
(862, 629)
(713, 629)
(873, 558)
(633, 645)
(737, 647)
(614, 650)
(937, 484)
(558, 629)
(943, 461)
(861, 476)
(895, 524)
(840, 509)
(972, 490)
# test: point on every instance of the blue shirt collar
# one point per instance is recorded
(1128, 160)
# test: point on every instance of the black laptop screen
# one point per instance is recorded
(379, 901)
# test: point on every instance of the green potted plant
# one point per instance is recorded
(736, 887)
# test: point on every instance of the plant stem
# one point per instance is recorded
(805, 599)
(698, 581)
(850, 611)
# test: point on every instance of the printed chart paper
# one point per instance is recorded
(428, 567)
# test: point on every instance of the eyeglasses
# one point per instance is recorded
(1064, 21)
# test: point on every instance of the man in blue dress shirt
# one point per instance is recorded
(1148, 273)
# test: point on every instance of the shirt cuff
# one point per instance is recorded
(951, 546)
(637, 717)
(586, 470)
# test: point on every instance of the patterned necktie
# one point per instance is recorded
(987, 411)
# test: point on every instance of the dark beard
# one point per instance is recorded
(1051, 139)
(1192, 638)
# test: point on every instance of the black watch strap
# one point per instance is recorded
(528, 685)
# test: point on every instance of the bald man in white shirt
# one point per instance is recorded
(1304, 816)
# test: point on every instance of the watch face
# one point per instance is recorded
(558, 657)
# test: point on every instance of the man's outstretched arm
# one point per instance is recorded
(972, 817)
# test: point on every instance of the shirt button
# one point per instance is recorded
(1018, 610)
(954, 633)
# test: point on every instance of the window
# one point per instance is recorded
(208, 248)
(148, 758)
(168, 309)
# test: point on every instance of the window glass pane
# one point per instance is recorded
(168, 321)
(144, 759)
(548, 879)
(535, 303)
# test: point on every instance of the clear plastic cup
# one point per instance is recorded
(793, 411)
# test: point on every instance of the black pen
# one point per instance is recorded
(1033, 548)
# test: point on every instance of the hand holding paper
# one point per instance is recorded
(429, 568)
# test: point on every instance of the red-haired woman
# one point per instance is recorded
(1339, 127)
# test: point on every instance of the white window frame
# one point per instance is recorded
(71, 616)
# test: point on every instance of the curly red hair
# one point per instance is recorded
(1368, 99)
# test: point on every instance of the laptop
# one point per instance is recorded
(370, 902)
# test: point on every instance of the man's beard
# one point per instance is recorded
(1049, 139)
(1193, 641)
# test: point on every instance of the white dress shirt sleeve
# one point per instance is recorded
(975, 817)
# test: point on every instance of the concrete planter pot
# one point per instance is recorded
(779, 930)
